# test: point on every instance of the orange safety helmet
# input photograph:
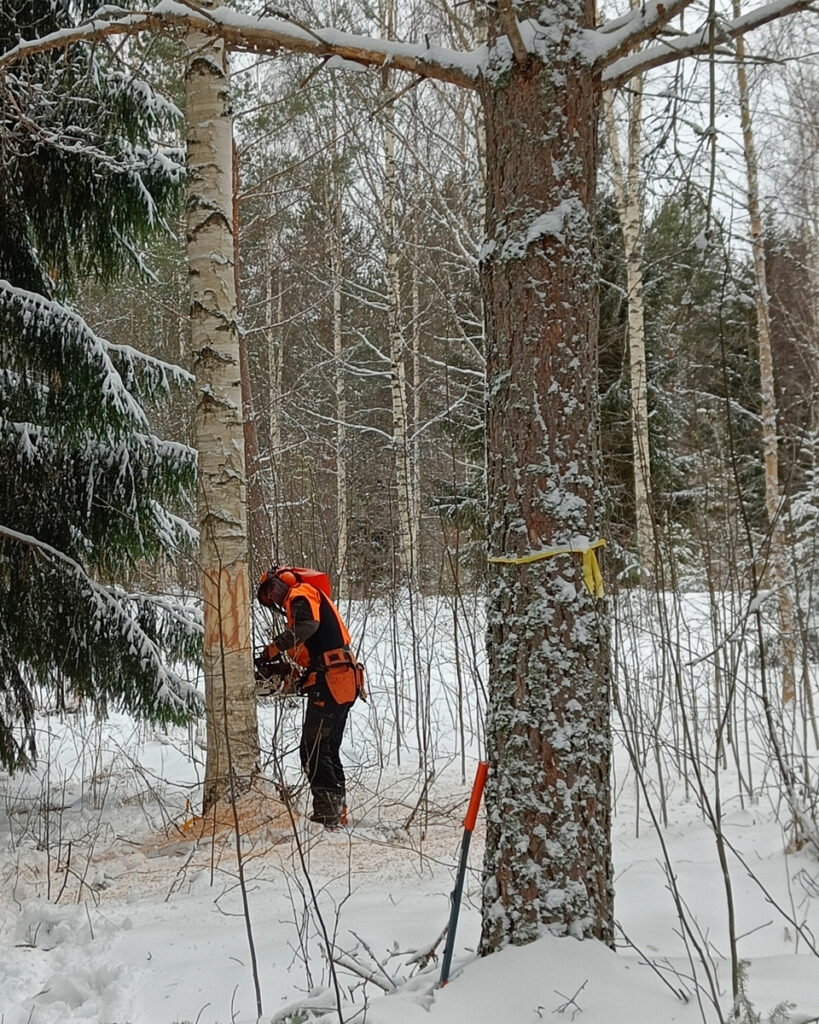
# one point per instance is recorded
(273, 587)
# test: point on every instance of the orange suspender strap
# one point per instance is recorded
(298, 652)
(309, 594)
(314, 597)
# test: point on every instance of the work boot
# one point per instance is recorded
(326, 808)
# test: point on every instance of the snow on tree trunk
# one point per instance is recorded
(232, 735)
(547, 860)
(770, 447)
(627, 194)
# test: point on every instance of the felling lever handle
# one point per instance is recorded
(469, 825)
(475, 798)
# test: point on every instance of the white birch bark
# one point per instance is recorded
(342, 509)
(272, 303)
(275, 358)
(232, 735)
(415, 456)
(813, 276)
(628, 198)
(805, 99)
(777, 560)
(481, 35)
(398, 373)
(415, 450)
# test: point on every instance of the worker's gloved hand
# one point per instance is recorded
(267, 667)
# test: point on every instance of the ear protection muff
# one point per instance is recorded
(273, 587)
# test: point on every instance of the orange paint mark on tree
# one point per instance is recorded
(227, 618)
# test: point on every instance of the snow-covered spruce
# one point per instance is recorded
(87, 491)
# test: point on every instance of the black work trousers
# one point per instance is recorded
(321, 737)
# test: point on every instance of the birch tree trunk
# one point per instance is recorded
(416, 457)
(629, 209)
(275, 367)
(407, 563)
(415, 501)
(342, 509)
(778, 574)
(232, 736)
(548, 850)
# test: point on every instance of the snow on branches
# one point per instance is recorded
(34, 322)
(88, 492)
(612, 47)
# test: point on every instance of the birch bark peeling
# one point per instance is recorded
(226, 591)
(232, 734)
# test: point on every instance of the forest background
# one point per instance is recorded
(331, 203)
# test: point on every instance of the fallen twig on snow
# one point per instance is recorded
(367, 973)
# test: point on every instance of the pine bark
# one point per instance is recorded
(548, 855)
(232, 736)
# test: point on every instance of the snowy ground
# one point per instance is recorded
(118, 907)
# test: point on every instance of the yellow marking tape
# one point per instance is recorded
(591, 568)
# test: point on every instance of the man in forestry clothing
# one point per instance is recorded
(316, 639)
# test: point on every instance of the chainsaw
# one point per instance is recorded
(275, 677)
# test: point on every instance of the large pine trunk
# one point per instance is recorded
(547, 861)
(230, 697)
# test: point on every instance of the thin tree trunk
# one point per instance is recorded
(342, 510)
(232, 734)
(416, 503)
(629, 209)
(548, 847)
(275, 363)
(415, 449)
(776, 520)
(398, 371)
